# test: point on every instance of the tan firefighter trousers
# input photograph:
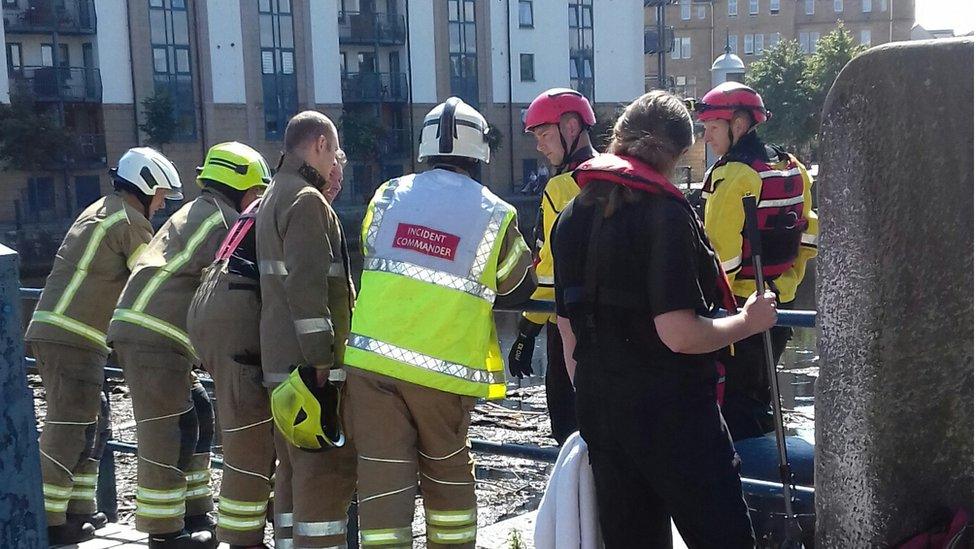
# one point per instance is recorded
(173, 470)
(72, 379)
(403, 429)
(312, 491)
(223, 326)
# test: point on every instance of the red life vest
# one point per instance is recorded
(780, 214)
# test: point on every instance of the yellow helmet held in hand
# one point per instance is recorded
(236, 165)
(306, 415)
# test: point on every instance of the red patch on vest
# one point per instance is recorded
(426, 241)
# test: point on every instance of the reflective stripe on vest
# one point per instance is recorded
(57, 317)
(135, 315)
(780, 219)
(431, 238)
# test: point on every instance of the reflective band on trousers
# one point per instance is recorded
(386, 536)
(284, 520)
(160, 511)
(460, 535)
(452, 518)
(319, 529)
(242, 525)
(313, 325)
(426, 362)
(160, 496)
(423, 274)
(242, 507)
(55, 506)
(71, 325)
(198, 476)
(155, 325)
(85, 480)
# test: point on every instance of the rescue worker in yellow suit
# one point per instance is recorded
(440, 250)
(67, 335)
(174, 418)
(788, 226)
(224, 326)
(306, 303)
(559, 119)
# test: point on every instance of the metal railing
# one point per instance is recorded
(47, 84)
(374, 87)
(371, 28)
(44, 16)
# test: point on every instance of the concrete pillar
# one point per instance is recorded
(895, 395)
(22, 521)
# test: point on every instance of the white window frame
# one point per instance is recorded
(774, 39)
(753, 7)
(774, 7)
(804, 39)
(733, 8)
(676, 50)
(759, 45)
(747, 44)
(701, 12)
(734, 43)
(810, 7)
(686, 10)
(838, 6)
(866, 6)
(865, 37)
(814, 39)
(883, 4)
(686, 47)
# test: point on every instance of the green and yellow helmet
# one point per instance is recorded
(235, 165)
(306, 415)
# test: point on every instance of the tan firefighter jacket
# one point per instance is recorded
(90, 270)
(153, 306)
(306, 289)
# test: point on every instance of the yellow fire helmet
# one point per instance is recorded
(236, 165)
(308, 416)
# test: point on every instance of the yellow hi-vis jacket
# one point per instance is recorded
(726, 185)
(438, 247)
(560, 190)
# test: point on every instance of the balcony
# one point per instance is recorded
(371, 28)
(656, 42)
(88, 150)
(46, 16)
(51, 84)
(374, 87)
(395, 144)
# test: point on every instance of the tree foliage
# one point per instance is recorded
(31, 140)
(160, 118)
(794, 86)
(361, 135)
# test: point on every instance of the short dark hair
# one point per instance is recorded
(307, 126)
(467, 164)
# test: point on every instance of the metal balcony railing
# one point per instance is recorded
(657, 42)
(44, 16)
(45, 84)
(371, 28)
(374, 87)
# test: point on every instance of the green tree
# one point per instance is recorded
(834, 51)
(495, 138)
(160, 125)
(31, 139)
(361, 135)
(780, 77)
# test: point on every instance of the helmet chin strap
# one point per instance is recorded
(567, 151)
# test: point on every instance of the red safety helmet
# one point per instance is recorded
(553, 103)
(726, 98)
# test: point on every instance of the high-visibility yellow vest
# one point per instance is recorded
(424, 311)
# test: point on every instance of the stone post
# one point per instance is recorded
(22, 520)
(895, 293)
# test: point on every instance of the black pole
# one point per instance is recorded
(793, 533)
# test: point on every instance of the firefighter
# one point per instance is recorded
(174, 418)
(67, 334)
(306, 303)
(440, 250)
(748, 166)
(560, 120)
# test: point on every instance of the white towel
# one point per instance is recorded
(568, 516)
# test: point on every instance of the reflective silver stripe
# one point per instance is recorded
(275, 378)
(423, 274)
(732, 264)
(779, 173)
(387, 535)
(337, 270)
(426, 362)
(778, 203)
(379, 210)
(546, 280)
(284, 543)
(305, 326)
(284, 520)
(271, 268)
(337, 374)
(809, 239)
(487, 243)
(319, 529)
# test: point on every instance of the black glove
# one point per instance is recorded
(520, 357)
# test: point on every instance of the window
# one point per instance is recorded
(87, 190)
(685, 10)
(342, 62)
(278, 81)
(838, 6)
(47, 55)
(463, 51)
(814, 38)
(15, 58)
(774, 7)
(686, 47)
(883, 5)
(805, 42)
(676, 52)
(581, 46)
(169, 38)
(10, 4)
(759, 44)
(753, 7)
(866, 6)
(809, 7)
(747, 44)
(774, 39)
(701, 12)
(734, 43)
(525, 14)
(40, 194)
(866, 37)
(733, 8)
(527, 67)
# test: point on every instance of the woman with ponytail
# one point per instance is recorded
(638, 287)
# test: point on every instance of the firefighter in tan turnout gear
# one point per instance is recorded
(67, 334)
(440, 250)
(174, 418)
(306, 304)
(224, 326)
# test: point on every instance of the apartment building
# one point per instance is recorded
(238, 69)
